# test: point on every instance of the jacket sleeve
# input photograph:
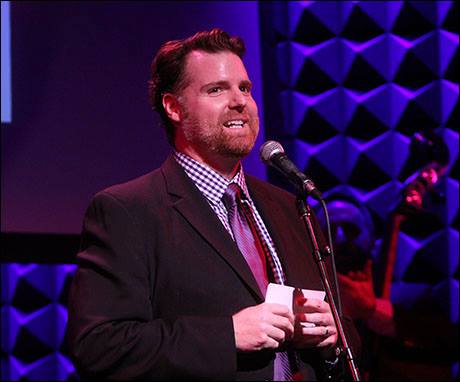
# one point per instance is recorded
(112, 333)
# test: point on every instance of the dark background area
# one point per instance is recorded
(81, 116)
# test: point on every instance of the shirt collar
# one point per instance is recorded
(208, 180)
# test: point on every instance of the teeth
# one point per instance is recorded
(235, 124)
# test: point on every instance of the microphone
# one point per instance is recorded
(272, 153)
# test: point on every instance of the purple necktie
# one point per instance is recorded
(248, 241)
(245, 235)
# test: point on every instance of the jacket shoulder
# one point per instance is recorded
(138, 191)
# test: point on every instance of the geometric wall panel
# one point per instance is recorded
(451, 205)
(370, 92)
(363, 117)
(409, 294)
(387, 103)
(34, 319)
(385, 54)
(389, 151)
(412, 23)
(382, 200)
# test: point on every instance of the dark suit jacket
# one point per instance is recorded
(159, 278)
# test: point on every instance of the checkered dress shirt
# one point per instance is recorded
(213, 185)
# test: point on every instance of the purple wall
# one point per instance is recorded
(81, 117)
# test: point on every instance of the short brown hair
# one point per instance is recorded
(168, 66)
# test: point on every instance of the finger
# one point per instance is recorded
(282, 323)
(319, 319)
(325, 343)
(317, 331)
(305, 324)
(280, 310)
(273, 344)
(315, 305)
(270, 343)
(276, 334)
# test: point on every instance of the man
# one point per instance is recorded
(354, 242)
(166, 286)
(402, 348)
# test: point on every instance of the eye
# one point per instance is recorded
(214, 90)
(245, 88)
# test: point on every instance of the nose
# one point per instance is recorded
(238, 100)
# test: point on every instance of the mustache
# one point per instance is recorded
(252, 121)
(244, 116)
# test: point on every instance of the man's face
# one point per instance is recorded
(219, 116)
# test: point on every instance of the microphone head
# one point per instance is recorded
(268, 149)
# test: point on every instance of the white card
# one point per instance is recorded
(283, 294)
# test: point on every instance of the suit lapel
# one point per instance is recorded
(287, 244)
(300, 270)
(193, 206)
(272, 214)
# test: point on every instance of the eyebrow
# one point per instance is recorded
(247, 83)
(224, 83)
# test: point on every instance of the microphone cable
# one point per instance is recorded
(331, 253)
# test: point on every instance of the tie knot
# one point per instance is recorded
(231, 196)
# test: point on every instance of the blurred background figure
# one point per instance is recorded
(354, 243)
(399, 343)
(353, 238)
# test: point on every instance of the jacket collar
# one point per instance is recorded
(187, 200)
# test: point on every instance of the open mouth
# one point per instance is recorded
(235, 123)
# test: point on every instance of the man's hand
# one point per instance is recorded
(314, 324)
(264, 326)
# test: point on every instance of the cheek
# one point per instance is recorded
(210, 110)
(252, 105)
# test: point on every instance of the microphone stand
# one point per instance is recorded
(305, 214)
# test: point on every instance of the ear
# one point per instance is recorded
(172, 107)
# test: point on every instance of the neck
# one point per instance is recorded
(227, 167)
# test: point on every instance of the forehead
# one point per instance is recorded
(204, 67)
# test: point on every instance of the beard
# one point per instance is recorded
(214, 137)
